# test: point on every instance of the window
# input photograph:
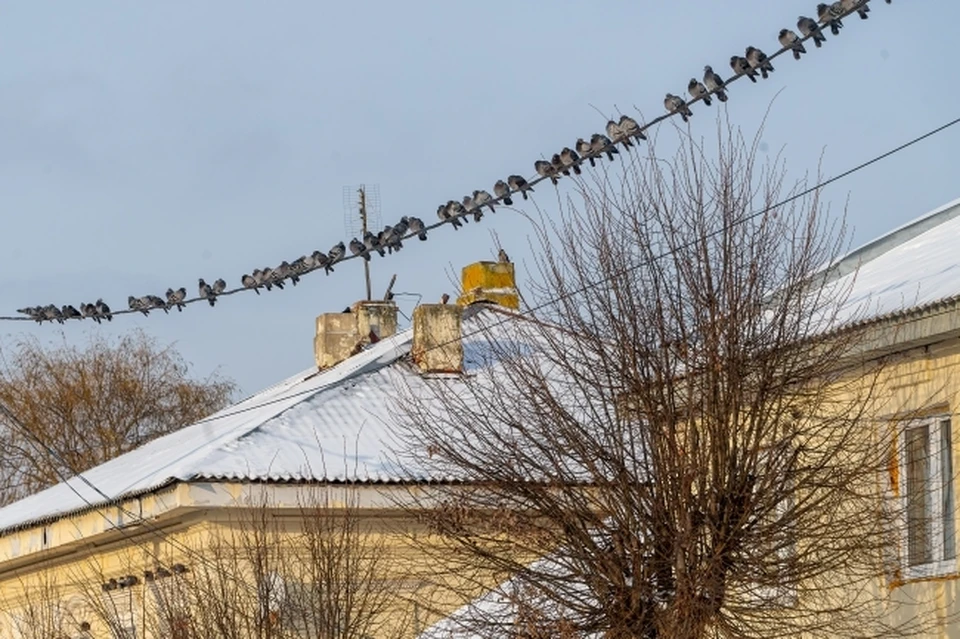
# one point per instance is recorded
(928, 544)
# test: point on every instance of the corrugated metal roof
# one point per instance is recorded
(335, 425)
(329, 426)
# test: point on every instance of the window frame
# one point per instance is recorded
(940, 565)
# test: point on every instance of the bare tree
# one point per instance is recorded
(320, 571)
(91, 404)
(682, 436)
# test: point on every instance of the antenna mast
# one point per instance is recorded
(366, 198)
(363, 229)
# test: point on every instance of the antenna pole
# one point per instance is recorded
(363, 225)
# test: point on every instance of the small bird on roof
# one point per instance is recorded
(444, 298)
(585, 150)
(502, 192)
(570, 160)
(518, 183)
(714, 83)
(757, 59)
(600, 143)
(631, 128)
(698, 90)
(810, 29)
(675, 104)
(545, 169)
(502, 257)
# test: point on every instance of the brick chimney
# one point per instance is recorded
(490, 282)
(437, 345)
(340, 335)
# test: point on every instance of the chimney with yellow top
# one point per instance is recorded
(491, 282)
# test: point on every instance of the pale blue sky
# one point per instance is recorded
(145, 144)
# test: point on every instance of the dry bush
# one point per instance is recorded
(91, 404)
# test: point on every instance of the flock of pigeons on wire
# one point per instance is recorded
(626, 132)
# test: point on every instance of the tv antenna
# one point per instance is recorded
(361, 212)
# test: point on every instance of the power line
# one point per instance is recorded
(536, 179)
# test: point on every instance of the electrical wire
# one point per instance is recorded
(497, 200)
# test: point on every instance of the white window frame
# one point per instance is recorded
(940, 565)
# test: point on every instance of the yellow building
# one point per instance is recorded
(252, 502)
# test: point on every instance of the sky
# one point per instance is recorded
(146, 144)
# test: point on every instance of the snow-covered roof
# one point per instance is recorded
(335, 425)
(911, 267)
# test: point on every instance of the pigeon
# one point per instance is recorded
(357, 248)
(828, 16)
(517, 183)
(482, 198)
(862, 7)
(757, 59)
(103, 310)
(790, 40)
(740, 66)
(586, 150)
(557, 164)
(545, 169)
(698, 90)
(372, 242)
(502, 191)
(248, 281)
(70, 312)
(471, 207)
(33, 312)
(675, 104)
(176, 297)
(206, 291)
(630, 128)
(447, 214)
(570, 159)
(503, 257)
(714, 83)
(336, 253)
(444, 298)
(282, 272)
(417, 226)
(137, 304)
(600, 143)
(154, 301)
(320, 260)
(618, 135)
(89, 310)
(270, 278)
(300, 266)
(220, 286)
(52, 313)
(810, 29)
(390, 236)
(262, 280)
